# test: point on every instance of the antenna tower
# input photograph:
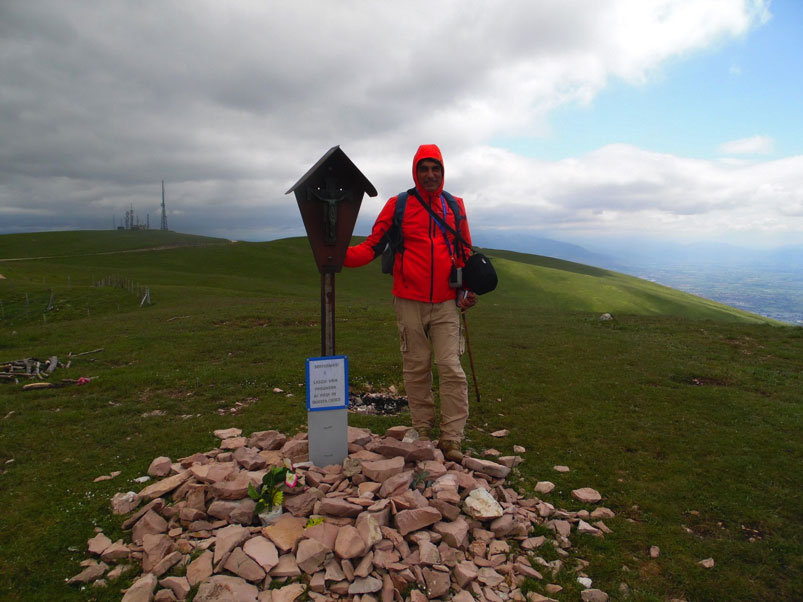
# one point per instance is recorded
(164, 213)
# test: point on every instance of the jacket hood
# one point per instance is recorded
(427, 151)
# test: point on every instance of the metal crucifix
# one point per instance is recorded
(329, 197)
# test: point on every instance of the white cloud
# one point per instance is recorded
(231, 102)
(624, 189)
(754, 145)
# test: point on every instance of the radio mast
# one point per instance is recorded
(164, 213)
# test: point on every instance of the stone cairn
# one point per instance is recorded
(398, 523)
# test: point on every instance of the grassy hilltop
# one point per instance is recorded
(684, 413)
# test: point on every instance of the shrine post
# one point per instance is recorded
(329, 196)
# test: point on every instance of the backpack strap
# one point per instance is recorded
(458, 217)
(456, 210)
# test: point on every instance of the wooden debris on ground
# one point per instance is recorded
(32, 368)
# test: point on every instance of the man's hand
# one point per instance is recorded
(466, 299)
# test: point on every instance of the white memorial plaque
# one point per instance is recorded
(327, 383)
(327, 400)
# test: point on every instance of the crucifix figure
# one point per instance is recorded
(331, 194)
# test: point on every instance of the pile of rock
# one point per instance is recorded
(398, 523)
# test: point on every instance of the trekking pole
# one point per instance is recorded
(470, 356)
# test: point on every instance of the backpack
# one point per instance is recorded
(392, 242)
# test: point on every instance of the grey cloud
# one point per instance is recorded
(231, 103)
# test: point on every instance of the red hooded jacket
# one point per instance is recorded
(421, 271)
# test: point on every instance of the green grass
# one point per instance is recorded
(685, 414)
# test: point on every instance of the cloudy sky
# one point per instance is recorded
(672, 119)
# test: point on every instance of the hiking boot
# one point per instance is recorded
(451, 450)
(422, 434)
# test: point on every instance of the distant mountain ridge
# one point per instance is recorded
(767, 282)
(537, 245)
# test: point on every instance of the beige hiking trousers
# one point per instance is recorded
(421, 324)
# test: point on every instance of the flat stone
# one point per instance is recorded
(525, 569)
(167, 563)
(408, 521)
(508, 526)
(249, 458)
(380, 470)
(214, 473)
(544, 487)
(302, 504)
(561, 527)
(518, 449)
(593, 595)
(481, 505)
(150, 524)
(531, 543)
(334, 571)
(447, 510)
(228, 433)
(226, 539)
(154, 548)
(285, 532)
(98, 544)
(263, 551)
(365, 585)
(708, 563)
(428, 554)
(200, 569)
(160, 467)
(349, 544)
(311, 555)
(500, 433)
(454, 533)
(465, 572)
(339, 507)
(358, 436)
(391, 448)
(586, 529)
(488, 576)
(492, 469)
(437, 582)
(396, 484)
(180, 586)
(369, 529)
(225, 588)
(561, 468)
(602, 512)
(326, 533)
(233, 443)
(365, 566)
(288, 593)
(397, 432)
(296, 449)
(141, 590)
(268, 440)
(115, 552)
(242, 565)
(92, 572)
(234, 511)
(286, 567)
(586, 495)
(165, 486)
(124, 502)
(235, 489)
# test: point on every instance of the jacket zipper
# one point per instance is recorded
(431, 258)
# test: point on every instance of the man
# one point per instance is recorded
(426, 303)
